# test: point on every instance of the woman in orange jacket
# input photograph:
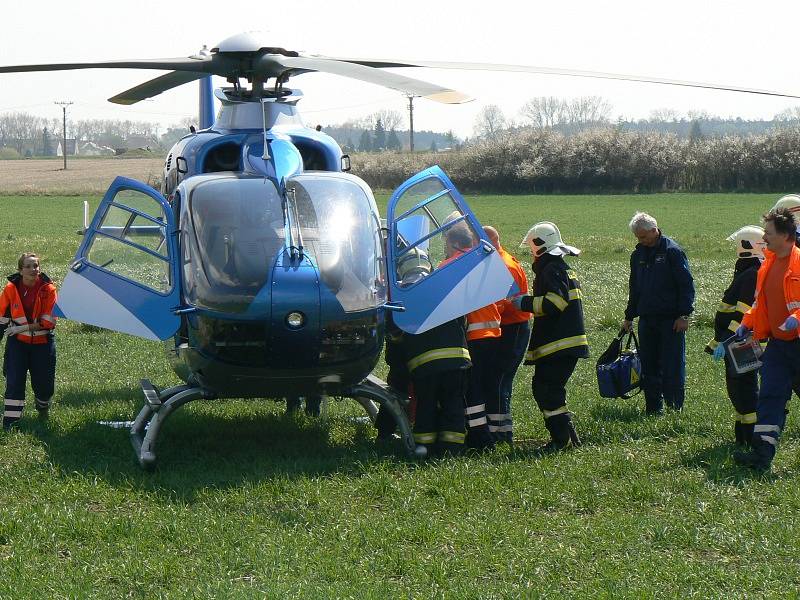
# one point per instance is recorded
(26, 318)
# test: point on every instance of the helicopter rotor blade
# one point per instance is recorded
(401, 83)
(191, 63)
(154, 87)
(387, 63)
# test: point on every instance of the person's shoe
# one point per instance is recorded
(43, 408)
(753, 459)
(479, 440)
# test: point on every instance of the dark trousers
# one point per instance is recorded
(398, 379)
(483, 393)
(513, 345)
(780, 370)
(440, 409)
(663, 355)
(549, 388)
(20, 359)
(743, 392)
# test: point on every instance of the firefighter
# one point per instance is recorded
(483, 342)
(26, 316)
(438, 362)
(558, 337)
(738, 298)
(398, 378)
(515, 333)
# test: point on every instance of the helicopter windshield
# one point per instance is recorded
(340, 232)
(231, 240)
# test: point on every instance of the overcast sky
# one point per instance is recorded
(733, 42)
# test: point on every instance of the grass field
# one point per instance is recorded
(249, 503)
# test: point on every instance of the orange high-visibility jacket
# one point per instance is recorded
(756, 318)
(510, 314)
(12, 313)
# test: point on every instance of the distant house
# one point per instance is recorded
(147, 142)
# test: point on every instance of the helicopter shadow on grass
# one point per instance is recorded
(198, 450)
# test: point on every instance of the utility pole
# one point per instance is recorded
(411, 122)
(64, 106)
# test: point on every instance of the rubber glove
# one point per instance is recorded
(790, 324)
(742, 331)
(719, 352)
(14, 330)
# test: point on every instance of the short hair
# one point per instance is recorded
(641, 221)
(460, 237)
(783, 221)
(492, 234)
(24, 256)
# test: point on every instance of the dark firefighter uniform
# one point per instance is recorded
(742, 387)
(439, 362)
(397, 378)
(558, 340)
(33, 352)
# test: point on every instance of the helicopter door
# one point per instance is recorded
(441, 266)
(124, 276)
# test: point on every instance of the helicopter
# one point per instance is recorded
(262, 264)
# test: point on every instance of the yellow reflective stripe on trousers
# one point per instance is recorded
(557, 300)
(747, 418)
(438, 354)
(726, 308)
(425, 438)
(552, 413)
(454, 437)
(562, 344)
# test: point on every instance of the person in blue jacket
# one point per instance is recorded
(661, 294)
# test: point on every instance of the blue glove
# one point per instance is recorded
(719, 352)
(790, 324)
(742, 331)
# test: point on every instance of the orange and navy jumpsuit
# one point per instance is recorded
(31, 352)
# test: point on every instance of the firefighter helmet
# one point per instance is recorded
(545, 238)
(413, 266)
(790, 201)
(749, 241)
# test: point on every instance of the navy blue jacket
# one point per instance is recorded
(661, 284)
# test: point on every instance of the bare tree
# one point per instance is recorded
(588, 110)
(789, 114)
(391, 119)
(490, 122)
(665, 115)
(543, 111)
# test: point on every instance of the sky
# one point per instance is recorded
(729, 42)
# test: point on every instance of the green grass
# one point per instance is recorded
(249, 503)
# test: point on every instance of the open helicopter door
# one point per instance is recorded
(430, 281)
(124, 276)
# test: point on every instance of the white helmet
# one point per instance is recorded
(413, 266)
(749, 242)
(545, 238)
(790, 201)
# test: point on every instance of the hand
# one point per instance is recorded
(627, 325)
(719, 352)
(742, 331)
(14, 330)
(680, 325)
(790, 324)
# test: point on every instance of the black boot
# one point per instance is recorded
(561, 430)
(759, 458)
(738, 433)
(747, 433)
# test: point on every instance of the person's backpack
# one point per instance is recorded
(619, 370)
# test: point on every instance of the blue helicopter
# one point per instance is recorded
(263, 265)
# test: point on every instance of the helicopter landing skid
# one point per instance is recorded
(373, 390)
(159, 404)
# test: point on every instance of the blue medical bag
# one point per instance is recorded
(619, 369)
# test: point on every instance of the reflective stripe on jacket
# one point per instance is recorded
(510, 314)
(484, 323)
(557, 306)
(756, 318)
(736, 301)
(12, 312)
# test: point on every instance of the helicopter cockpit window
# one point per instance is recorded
(340, 232)
(431, 230)
(131, 241)
(236, 231)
